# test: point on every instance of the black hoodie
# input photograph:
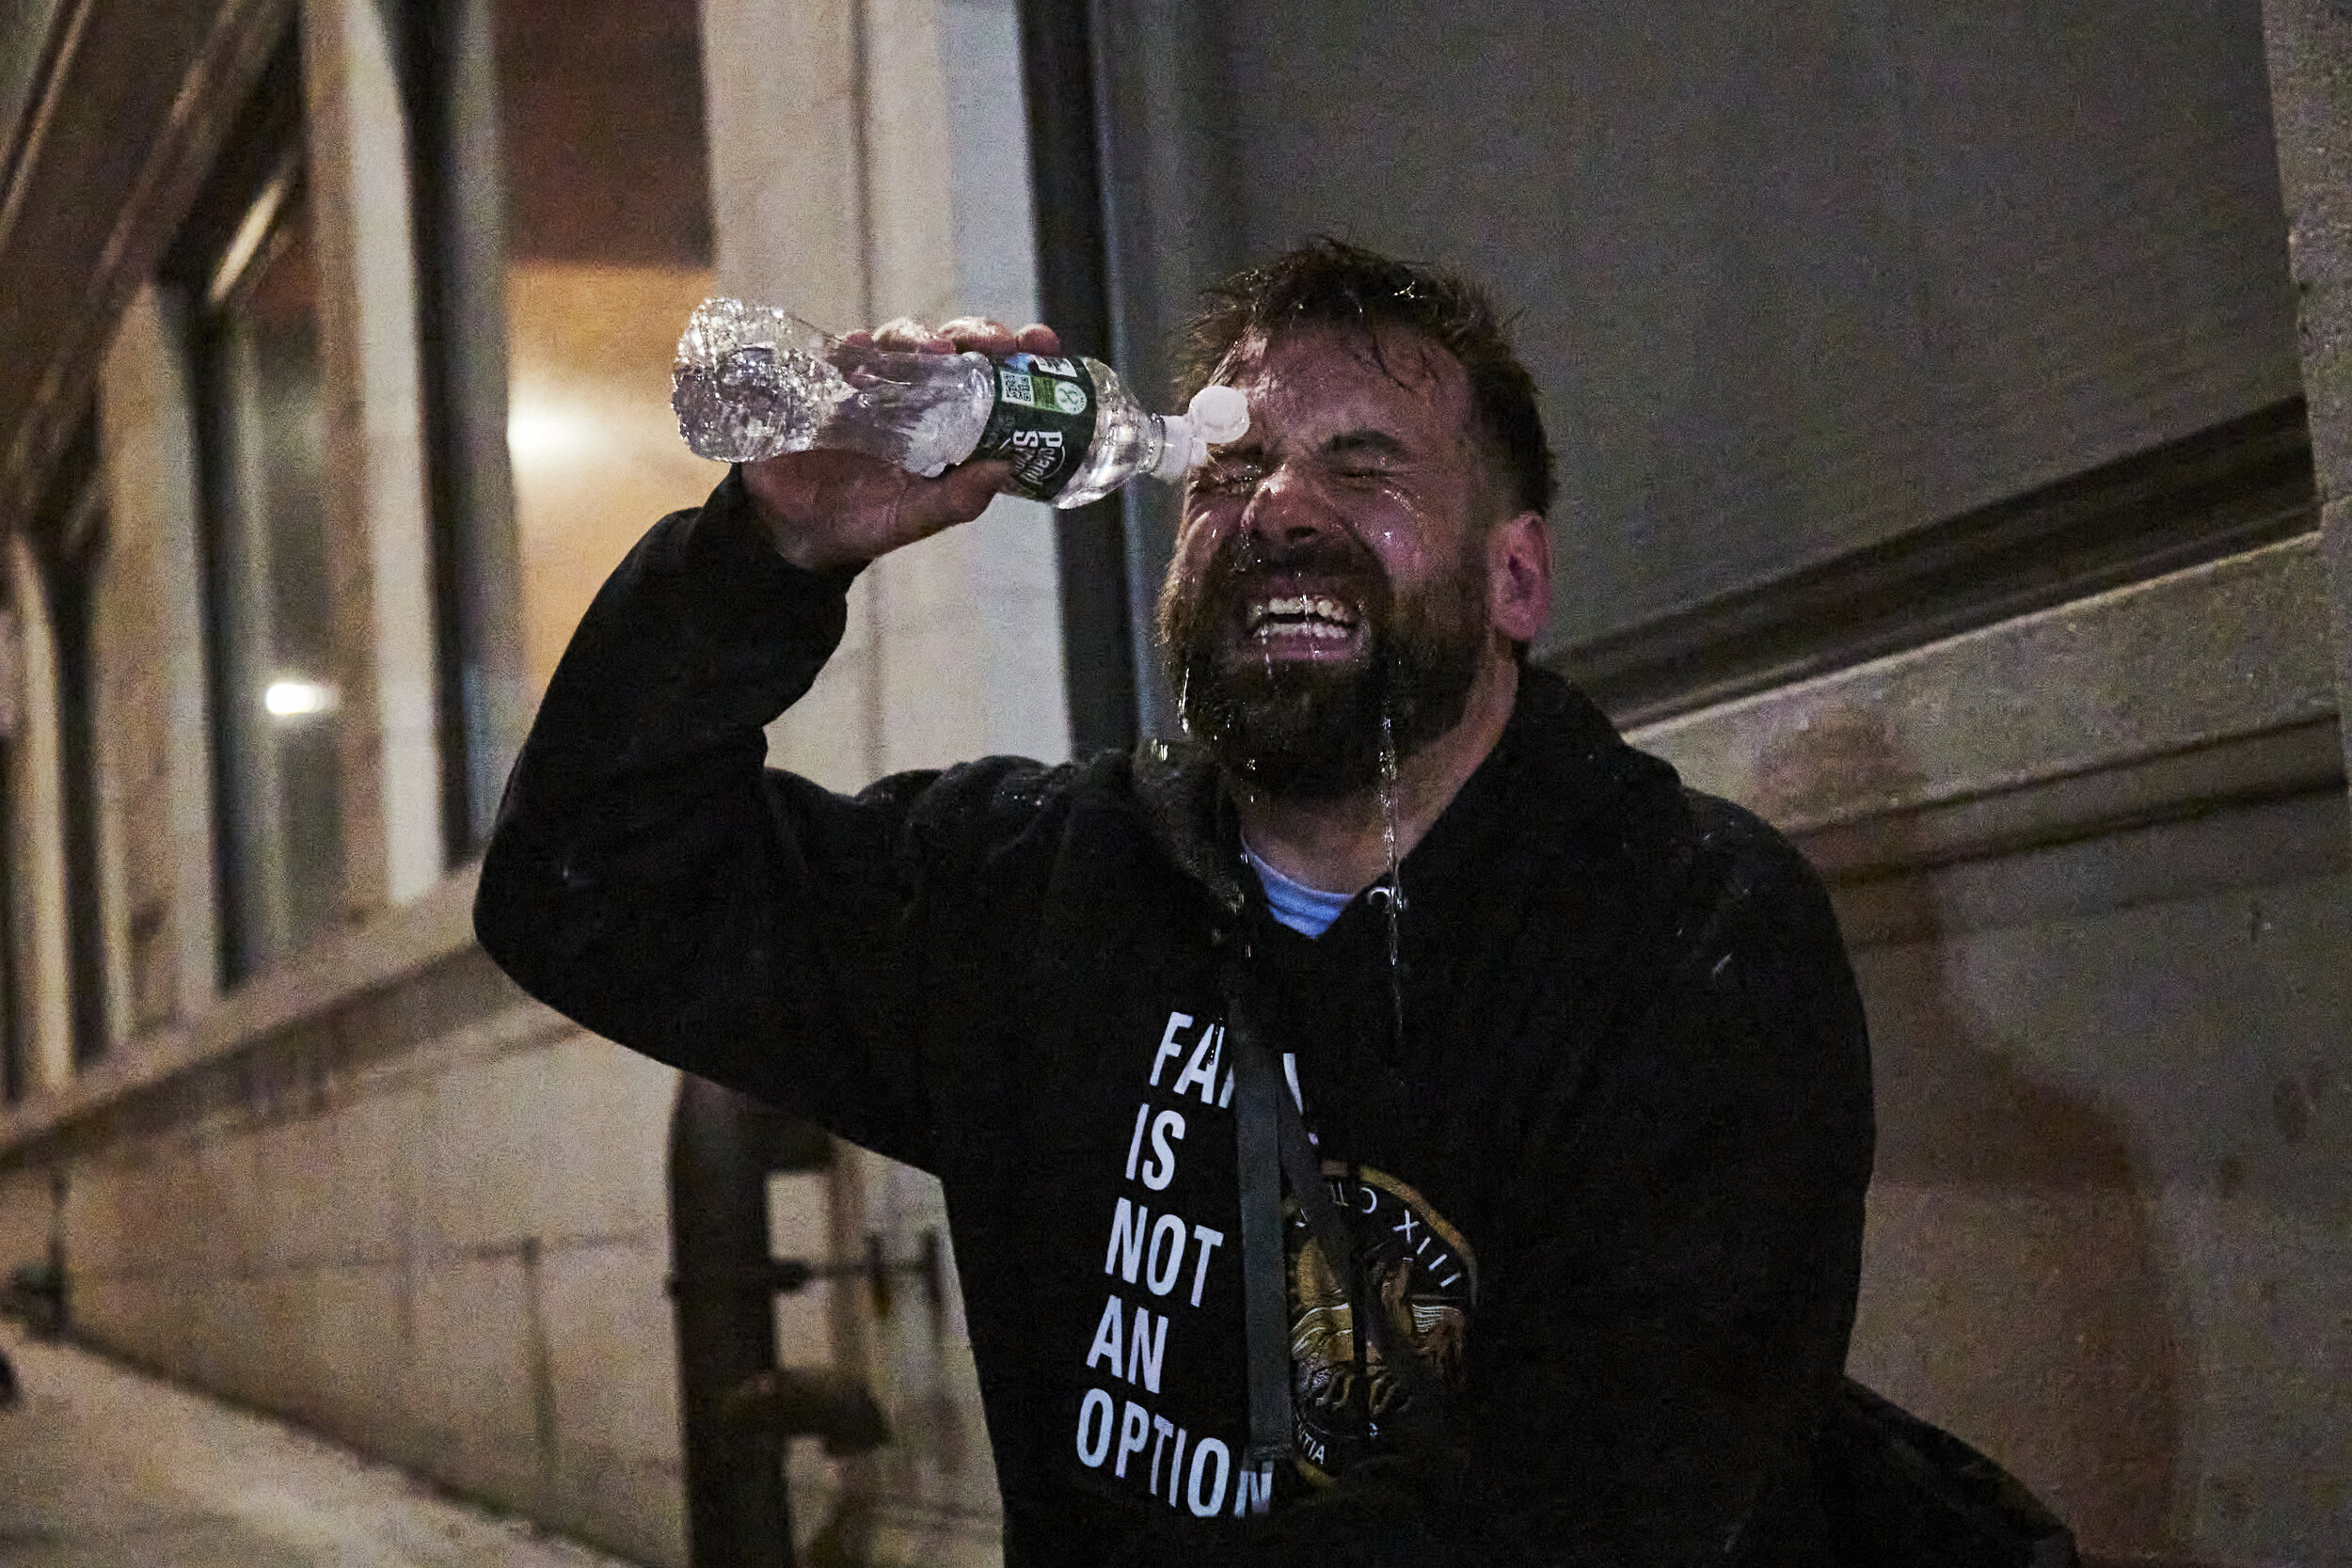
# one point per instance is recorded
(1601, 1134)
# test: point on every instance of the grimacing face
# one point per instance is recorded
(1331, 568)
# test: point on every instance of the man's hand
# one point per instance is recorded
(832, 508)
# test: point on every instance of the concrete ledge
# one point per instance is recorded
(1910, 895)
(2304, 759)
(2151, 703)
(358, 962)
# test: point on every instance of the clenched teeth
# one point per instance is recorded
(1314, 614)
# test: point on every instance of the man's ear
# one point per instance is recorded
(1518, 577)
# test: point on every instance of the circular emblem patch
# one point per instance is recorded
(1418, 1274)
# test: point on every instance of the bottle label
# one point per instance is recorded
(1043, 422)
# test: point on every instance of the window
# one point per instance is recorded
(563, 234)
(56, 1014)
(452, 143)
(16, 1020)
(246, 265)
(70, 543)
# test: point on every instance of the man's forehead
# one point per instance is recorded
(1310, 365)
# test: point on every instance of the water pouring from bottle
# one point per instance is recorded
(752, 382)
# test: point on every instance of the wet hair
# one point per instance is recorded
(1328, 282)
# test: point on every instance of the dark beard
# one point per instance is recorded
(1314, 732)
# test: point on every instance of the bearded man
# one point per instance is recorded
(1399, 1125)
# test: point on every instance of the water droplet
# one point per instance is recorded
(1395, 900)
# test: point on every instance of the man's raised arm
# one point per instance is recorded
(648, 876)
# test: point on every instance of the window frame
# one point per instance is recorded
(253, 206)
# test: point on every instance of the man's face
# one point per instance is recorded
(1331, 572)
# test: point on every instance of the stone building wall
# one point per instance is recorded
(419, 1215)
(373, 1187)
(2101, 922)
(2094, 863)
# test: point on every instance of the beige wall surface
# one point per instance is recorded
(432, 1224)
(2108, 1240)
(2095, 865)
(596, 449)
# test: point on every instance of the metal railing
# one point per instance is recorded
(738, 1407)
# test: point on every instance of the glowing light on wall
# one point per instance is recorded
(535, 433)
(298, 698)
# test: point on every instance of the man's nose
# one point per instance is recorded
(1287, 510)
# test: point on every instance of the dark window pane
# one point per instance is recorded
(15, 1018)
(273, 663)
(270, 607)
(71, 580)
(68, 539)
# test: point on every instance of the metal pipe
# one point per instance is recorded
(723, 1288)
(737, 1408)
(1074, 292)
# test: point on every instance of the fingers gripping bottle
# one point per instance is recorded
(753, 382)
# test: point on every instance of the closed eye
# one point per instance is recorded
(1369, 451)
(1224, 475)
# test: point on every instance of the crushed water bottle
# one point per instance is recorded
(753, 382)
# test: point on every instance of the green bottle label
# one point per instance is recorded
(1043, 422)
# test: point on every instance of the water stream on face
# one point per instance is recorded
(1388, 791)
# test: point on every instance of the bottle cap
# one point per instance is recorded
(1216, 414)
(1219, 414)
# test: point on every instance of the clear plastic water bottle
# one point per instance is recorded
(753, 382)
